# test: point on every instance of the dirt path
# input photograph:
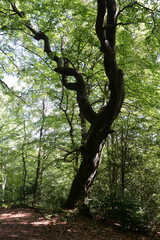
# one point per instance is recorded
(26, 224)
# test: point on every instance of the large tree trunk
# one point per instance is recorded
(91, 154)
(100, 123)
(92, 150)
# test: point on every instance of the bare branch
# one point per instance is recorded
(5, 86)
(3, 13)
(130, 23)
(146, 8)
(20, 14)
(151, 11)
(128, 6)
(69, 119)
(76, 153)
(139, 4)
(10, 59)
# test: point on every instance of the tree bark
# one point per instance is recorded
(82, 183)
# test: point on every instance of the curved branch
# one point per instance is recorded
(37, 35)
(114, 74)
(134, 3)
(42, 36)
(128, 6)
(111, 22)
(80, 88)
(100, 22)
(108, 32)
(5, 86)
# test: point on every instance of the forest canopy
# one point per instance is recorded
(80, 115)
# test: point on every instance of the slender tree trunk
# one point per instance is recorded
(123, 162)
(24, 165)
(4, 181)
(38, 170)
(124, 139)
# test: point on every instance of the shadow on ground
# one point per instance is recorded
(27, 224)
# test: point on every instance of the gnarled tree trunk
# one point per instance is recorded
(101, 123)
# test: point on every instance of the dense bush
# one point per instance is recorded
(122, 210)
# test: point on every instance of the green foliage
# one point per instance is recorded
(130, 162)
(123, 210)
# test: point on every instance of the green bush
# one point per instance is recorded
(122, 210)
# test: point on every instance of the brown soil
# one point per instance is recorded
(20, 224)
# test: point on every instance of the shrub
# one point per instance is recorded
(123, 210)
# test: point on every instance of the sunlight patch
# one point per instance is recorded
(13, 215)
(40, 222)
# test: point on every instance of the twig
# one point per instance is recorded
(4, 85)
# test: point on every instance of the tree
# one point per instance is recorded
(102, 121)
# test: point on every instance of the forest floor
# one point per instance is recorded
(28, 224)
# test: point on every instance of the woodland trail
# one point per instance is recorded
(27, 224)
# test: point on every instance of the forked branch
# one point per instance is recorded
(78, 86)
(106, 32)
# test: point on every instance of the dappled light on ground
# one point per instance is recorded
(27, 224)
